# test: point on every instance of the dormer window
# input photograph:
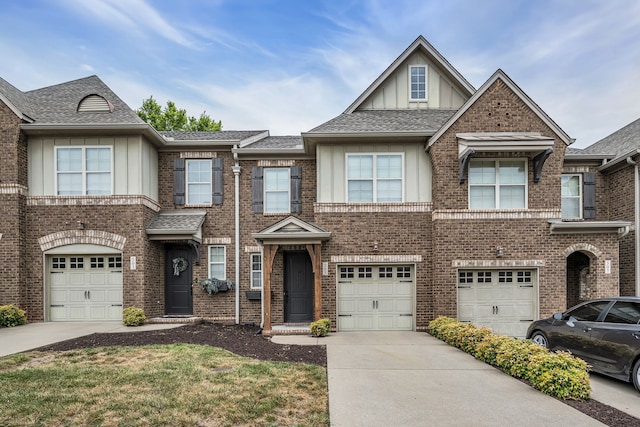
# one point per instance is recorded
(95, 103)
(418, 82)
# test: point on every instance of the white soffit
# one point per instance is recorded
(530, 142)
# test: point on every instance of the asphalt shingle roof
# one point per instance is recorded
(173, 221)
(16, 97)
(221, 135)
(277, 142)
(368, 121)
(620, 142)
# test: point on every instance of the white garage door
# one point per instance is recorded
(375, 298)
(503, 300)
(85, 287)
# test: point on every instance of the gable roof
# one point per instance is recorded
(292, 230)
(15, 100)
(422, 45)
(500, 75)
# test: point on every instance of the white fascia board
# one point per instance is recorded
(527, 146)
(587, 227)
(617, 161)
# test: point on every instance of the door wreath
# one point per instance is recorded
(179, 265)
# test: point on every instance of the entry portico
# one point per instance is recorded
(291, 232)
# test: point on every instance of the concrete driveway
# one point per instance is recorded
(412, 379)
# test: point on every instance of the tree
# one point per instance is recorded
(172, 118)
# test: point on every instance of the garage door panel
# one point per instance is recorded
(80, 289)
(375, 298)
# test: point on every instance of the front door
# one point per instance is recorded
(177, 280)
(298, 287)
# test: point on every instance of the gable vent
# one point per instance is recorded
(93, 103)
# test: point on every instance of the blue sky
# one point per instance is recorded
(288, 66)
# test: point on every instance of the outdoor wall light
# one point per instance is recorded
(375, 246)
(80, 225)
(499, 252)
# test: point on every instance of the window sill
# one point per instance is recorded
(254, 295)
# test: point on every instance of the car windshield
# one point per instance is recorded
(588, 312)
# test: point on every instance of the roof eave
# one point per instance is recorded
(619, 161)
(117, 128)
(588, 227)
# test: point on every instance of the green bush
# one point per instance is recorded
(321, 327)
(557, 374)
(10, 315)
(133, 316)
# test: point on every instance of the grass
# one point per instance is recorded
(175, 385)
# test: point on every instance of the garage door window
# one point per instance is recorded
(76, 262)
(115, 262)
(465, 277)
(347, 272)
(364, 272)
(404, 272)
(97, 262)
(58, 263)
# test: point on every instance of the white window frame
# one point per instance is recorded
(426, 82)
(497, 185)
(253, 270)
(83, 170)
(579, 197)
(374, 177)
(223, 263)
(187, 182)
(265, 191)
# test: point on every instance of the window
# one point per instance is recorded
(256, 271)
(505, 277)
(497, 184)
(199, 182)
(384, 272)
(364, 272)
(588, 312)
(403, 272)
(418, 82)
(347, 272)
(624, 312)
(97, 262)
(465, 277)
(115, 262)
(374, 178)
(217, 263)
(571, 196)
(276, 190)
(83, 171)
(484, 277)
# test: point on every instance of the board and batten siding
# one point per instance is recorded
(442, 93)
(135, 164)
(331, 170)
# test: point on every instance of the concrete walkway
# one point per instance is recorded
(34, 335)
(412, 379)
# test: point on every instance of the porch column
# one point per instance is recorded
(315, 253)
(269, 253)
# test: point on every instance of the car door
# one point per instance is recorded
(616, 340)
(573, 332)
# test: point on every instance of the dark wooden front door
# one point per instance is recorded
(177, 280)
(298, 287)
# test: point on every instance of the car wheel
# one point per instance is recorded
(635, 375)
(540, 339)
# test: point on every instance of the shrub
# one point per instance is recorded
(556, 374)
(321, 327)
(133, 316)
(10, 315)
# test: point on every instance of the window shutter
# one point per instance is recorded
(178, 182)
(589, 195)
(256, 190)
(296, 189)
(217, 178)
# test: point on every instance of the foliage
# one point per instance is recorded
(321, 327)
(133, 316)
(172, 118)
(169, 385)
(557, 374)
(213, 286)
(10, 315)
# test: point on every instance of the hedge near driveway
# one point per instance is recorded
(557, 374)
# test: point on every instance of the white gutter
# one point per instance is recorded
(236, 181)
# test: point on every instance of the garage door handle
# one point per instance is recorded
(406, 315)
(116, 305)
(57, 305)
(344, 315)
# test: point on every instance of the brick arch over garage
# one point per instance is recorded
(72, 237)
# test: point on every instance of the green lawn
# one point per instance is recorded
(176, 385)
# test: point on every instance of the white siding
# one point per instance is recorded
(332, 172)
(394, 92)
(135, 168)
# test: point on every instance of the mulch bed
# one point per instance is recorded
(244, 341)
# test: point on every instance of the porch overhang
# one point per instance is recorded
(177, 225)
(557, 226)
(292, 231)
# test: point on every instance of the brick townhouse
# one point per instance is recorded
(426, 197)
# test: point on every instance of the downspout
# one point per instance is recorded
(636, 208)
(236, 181)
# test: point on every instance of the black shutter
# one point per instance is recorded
(256, 190)
(589, 195)
(296, 189)
(217, 179)
(178, 182)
